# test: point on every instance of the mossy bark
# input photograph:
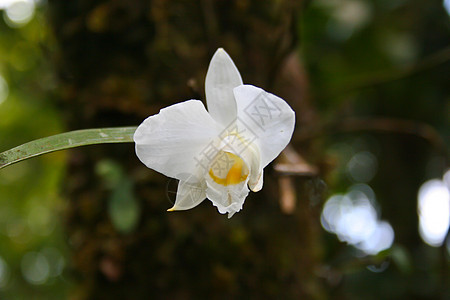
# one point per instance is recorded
(121, 61)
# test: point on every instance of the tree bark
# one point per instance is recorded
(121, 61)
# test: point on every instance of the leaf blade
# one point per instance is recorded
(67, 140)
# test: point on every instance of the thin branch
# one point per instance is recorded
(389, 125)
(291, 163)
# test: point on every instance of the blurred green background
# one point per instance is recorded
(379, 76)
(32, 244)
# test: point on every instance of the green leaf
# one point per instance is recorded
(67, 140)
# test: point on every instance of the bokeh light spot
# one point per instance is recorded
(352, 13)
(381, 238)
(402, 48)
(434, 211)
(55, 260)
(363, 166)
(35, 268)
(447, 6)
(348, 16)
(365, 189)
(354, 219)
(19, 12)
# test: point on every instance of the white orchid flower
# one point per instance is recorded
(220, 153)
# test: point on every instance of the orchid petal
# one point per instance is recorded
(172, 141)
(226, 182)
(256, 185)
(221, 78)
(229, 199)
(269, 119)
(189, 195)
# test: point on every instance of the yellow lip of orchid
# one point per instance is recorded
(220, 153)
(228, 169)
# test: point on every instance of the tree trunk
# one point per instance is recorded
(121, 61)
